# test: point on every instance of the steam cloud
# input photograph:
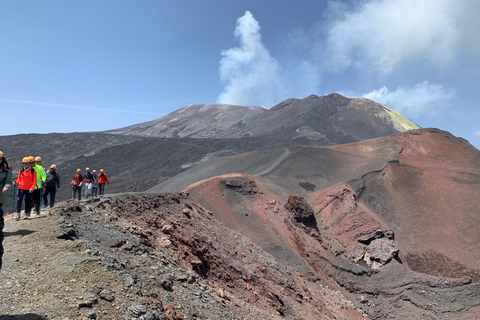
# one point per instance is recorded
(253, 77)
(423, 98)
(381, 35)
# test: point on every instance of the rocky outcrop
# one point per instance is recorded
(301, 210)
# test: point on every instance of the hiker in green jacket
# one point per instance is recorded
(41, 177)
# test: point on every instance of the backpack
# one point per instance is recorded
(33, 171)
(51, 182)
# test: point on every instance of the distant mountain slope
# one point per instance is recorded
(194, 121)
(331, 119)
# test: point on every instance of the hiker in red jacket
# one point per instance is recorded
(26, 181)
(102, 178)
(77, 183)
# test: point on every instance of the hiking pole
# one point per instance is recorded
(41, 196)
(13, 200)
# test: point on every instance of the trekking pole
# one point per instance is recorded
(13, 200)
(41, 196)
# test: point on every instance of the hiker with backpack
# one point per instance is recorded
(77, 183)
(5, 184)
(88, 177)
(26, 181)
(95, 184)
(52, 184)
(102, 179)
(41, 177)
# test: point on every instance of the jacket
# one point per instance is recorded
(41, 175)
(27, 179)
(77, 180)
(88, 177)
(52, 180)
(5, 181)
(102, 178)
(95, 180)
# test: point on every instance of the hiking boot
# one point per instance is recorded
(17, 217)
(26, 217)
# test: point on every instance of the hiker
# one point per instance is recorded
(5, 184)
(77, 184)
(88, 177)
(52, 184)
(95, 184)
(41, 177)
(102, 178)
(26, 181)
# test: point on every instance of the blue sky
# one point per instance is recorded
(86, 65)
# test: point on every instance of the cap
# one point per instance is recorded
(38, 159)
(53, 166)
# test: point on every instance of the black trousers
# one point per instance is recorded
(101, 188)
(79, 190)
(36, 200)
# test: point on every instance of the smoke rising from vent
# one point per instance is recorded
(253, 77)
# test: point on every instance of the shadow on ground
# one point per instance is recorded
(21, 232)
(28, 316)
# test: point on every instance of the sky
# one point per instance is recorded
(76, 66)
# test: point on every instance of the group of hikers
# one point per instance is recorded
(94, 184)
(35, 184)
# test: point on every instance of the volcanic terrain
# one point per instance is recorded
(255, 214)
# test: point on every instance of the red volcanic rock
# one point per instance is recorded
(301, 210)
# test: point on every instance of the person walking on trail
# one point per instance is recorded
(95, 184)
(41, 177)
(5, 184)
(26, 181)
(102, 179)
(88, 178)
(52, 185)
(77, 183)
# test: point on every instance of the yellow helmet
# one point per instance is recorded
(27, 160)
(32, 158)
(101, 170)
(78, 170)
(38, 159)
(1, 154)
(53, 166)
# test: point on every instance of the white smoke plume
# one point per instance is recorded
(422, 99)
(253, 77)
